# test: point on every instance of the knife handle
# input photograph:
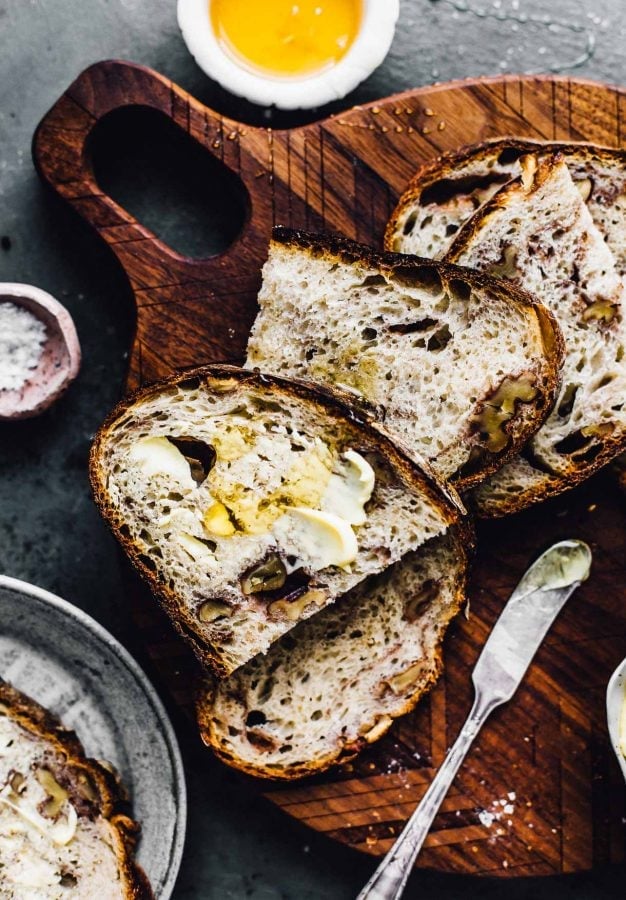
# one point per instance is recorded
(389, 879)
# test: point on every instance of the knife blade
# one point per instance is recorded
(508, 651)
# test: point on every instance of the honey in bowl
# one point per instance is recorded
(283, 38)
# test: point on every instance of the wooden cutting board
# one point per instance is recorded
(541, 792)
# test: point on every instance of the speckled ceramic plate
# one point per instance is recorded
(67, 662)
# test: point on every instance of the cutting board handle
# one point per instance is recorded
(61, 150)
(208, 303)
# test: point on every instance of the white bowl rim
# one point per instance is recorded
(615, 699)
(367, 52)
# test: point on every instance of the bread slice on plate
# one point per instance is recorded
(250, 502)
(445, 193)
(460, 367)
(538, 232)
(64, 827)
(337, 681)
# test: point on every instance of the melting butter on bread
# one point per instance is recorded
(251, 502)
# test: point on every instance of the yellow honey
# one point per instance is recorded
(286, 37)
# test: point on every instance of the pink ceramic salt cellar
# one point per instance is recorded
(59, 361)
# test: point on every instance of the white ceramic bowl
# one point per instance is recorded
(615, 699)
(366, 53)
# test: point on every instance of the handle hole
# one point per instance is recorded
(168, 182)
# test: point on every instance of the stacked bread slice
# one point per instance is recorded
(444, 194)
(403, 333)
(64, 828)
(551, 219)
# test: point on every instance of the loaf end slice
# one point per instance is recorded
(446, 192)
(65, 829)
(461, 368)
(337, 681)
(249, 502)
(538, 232)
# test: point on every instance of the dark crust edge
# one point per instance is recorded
(464, 543)
(550, 485)
(529, 416)
(446, 166)
(328, 402)
(34, 718)
(612, 445)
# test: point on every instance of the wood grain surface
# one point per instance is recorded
(540, 792)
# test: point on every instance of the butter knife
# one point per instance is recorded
(514, 640)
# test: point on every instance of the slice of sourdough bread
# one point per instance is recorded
(538, 232)
(445, 193)
(337, 681)
(249, 502)
(461, 368)
(64, 831)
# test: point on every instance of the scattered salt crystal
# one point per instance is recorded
(486, 818)
(497, 810)
(22, 336)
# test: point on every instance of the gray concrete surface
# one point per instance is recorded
(50, 533)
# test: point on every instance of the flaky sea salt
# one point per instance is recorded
(486, 818)
(22, 336)
(499, 808)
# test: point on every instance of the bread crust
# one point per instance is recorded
(521, 427)
(464, 543)
(612, 445)
(113, 801)
(447, 166)
(328, 402)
